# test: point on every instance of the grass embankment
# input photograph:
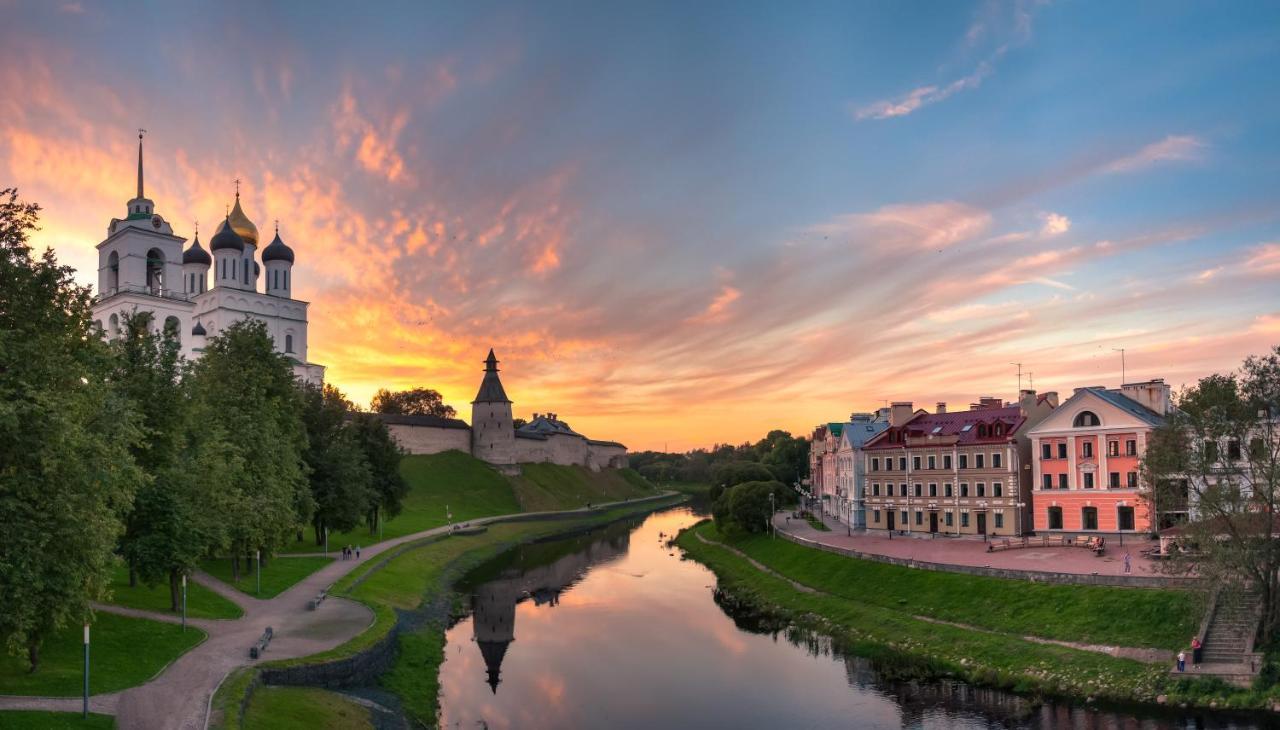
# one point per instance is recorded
(36, 720)
(304, 708)
(868, 610)
(123, 652)
(546, 487)
(278, 575)
(201, 602)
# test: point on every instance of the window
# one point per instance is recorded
(1055, 518)
(997, 489)
(964, 519)
(915, 462)
(288, 343)
(875, 490)
(1114, 480)
(875, 465)
(902, 489)
(1124, 517)
(964, 489)
(1046, 451)
(875, 515)
(977, 461)
(1086, 419)
(1211, 452)
(1233, 449)
(1088, 518)
(964, 461)
(1131, 448)
(1088, 480)
(1047, 480)
(946, 489)
(902, 463)
(919, 490)
(246, 271)
(999, 520)
(1131, 480)
(1113, 448)
(995, 460)
(1086, 449)
(1062, 481)
(904, 518)
(286, 279)
(1062, 449)
(933, 462)
(946, 461)
(981, 489)
(950, 519)
(933, 490)
(919, 517)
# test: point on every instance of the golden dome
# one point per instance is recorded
(241, 224)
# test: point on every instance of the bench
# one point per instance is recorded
(1096, 544)
(319, 599)
(260, 645)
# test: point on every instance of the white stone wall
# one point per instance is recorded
(600, 456)
(492, 435)
(430, 439)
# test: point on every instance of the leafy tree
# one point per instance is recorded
(518, 422)
(341, 481)
(416, 402)
(383, 455)
(734, 473)
(244, 390)
(66, 474)
(749, 506)
(1218, 456)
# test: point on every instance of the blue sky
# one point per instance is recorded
(690, 222)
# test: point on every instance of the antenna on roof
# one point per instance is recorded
(1031, 382)
(1019, 375)
(1121, 351)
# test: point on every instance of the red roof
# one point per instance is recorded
(982, 428)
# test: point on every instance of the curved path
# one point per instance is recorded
(178, 697)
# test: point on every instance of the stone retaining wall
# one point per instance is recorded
(1033, 576)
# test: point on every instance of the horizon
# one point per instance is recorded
(686, 226)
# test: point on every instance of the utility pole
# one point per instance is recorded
(1121, 351)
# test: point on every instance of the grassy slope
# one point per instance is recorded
(890, 634)
(34, 720)
(201, 602)
(552, 486)
(466, 485)
(1093, 614)
(304, 708)
(278, 575)
(124, 652)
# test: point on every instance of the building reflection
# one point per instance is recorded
(539, 573)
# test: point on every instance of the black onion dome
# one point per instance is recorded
(277, 251)
(226, 237)
(196, 254)
(198, 330)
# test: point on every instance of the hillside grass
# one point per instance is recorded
(123, 652)
(452, 480)
(201, 602)
(278, 575)
(1134, 617)
(37, 720)
(305, 708)
(546, 487)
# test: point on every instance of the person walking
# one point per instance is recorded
(1195, 652)
(357, 552)
(1182, 661)
(1126, 562)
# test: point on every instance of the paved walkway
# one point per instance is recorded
(973, 551)
(178, 698)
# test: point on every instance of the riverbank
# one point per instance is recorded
(411, 594)
(985, 631)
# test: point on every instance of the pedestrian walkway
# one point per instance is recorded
(972, 551)
(178, 698)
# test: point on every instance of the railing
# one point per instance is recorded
(151, 291)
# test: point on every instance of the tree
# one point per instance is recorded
(66, 475)
(340, 477)
(383, 455)
(245, 391)
(748, 505)
(416, 402)
(1218, 454)
(737, 472)
(518, 423)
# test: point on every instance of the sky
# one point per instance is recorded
(681, 224)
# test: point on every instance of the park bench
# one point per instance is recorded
(1096, 544)
(260, 645)
(319, 599)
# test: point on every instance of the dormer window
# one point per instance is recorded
(1086, 419)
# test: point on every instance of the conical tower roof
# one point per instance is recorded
(493, 652)
(491, 387)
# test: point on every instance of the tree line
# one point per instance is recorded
(124, 448)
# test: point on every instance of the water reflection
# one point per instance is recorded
(616, 630)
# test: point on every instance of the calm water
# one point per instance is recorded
(613, 630)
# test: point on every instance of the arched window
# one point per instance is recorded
(288, 343)
(155, 270)
(113, 272)
(246, 271)
(114, 323)
(1085, 419)
(173, 328)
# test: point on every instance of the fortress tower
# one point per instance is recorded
(493, 437)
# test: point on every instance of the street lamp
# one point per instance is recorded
(85, 713)
(257, 556)
(184, 603)
(773, 531)
(1021, 506)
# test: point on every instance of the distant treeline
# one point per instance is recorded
(778, 456)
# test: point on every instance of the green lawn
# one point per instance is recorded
(1095, 614)
(124, 652)
(468, 487)
(542, 487)
(304, 708)
(201, 602)
(278, 575)
(35, 720)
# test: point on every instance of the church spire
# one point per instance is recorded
(140, 133)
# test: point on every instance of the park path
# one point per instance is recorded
(178, 697)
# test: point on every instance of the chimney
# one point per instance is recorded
(1027, 400)
(859, 417)
(1051, 397)
(1153, 394)
(900, 413)
(942, 407)
(986, 402)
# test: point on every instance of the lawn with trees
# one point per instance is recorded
(201, 602)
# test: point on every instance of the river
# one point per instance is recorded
(612, 629)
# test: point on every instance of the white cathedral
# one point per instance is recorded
(142, 266)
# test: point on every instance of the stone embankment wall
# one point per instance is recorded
(1033, 576)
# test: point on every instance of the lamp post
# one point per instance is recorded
(257, 556)
(85, 712)
(184, 603)
(326, 541)
(379, 522)
(772, 510)
(1021, 506)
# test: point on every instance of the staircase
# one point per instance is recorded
(1228, 639)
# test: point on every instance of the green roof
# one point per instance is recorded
(835, 428)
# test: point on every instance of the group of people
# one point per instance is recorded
(350, 553)
(1195, 655)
